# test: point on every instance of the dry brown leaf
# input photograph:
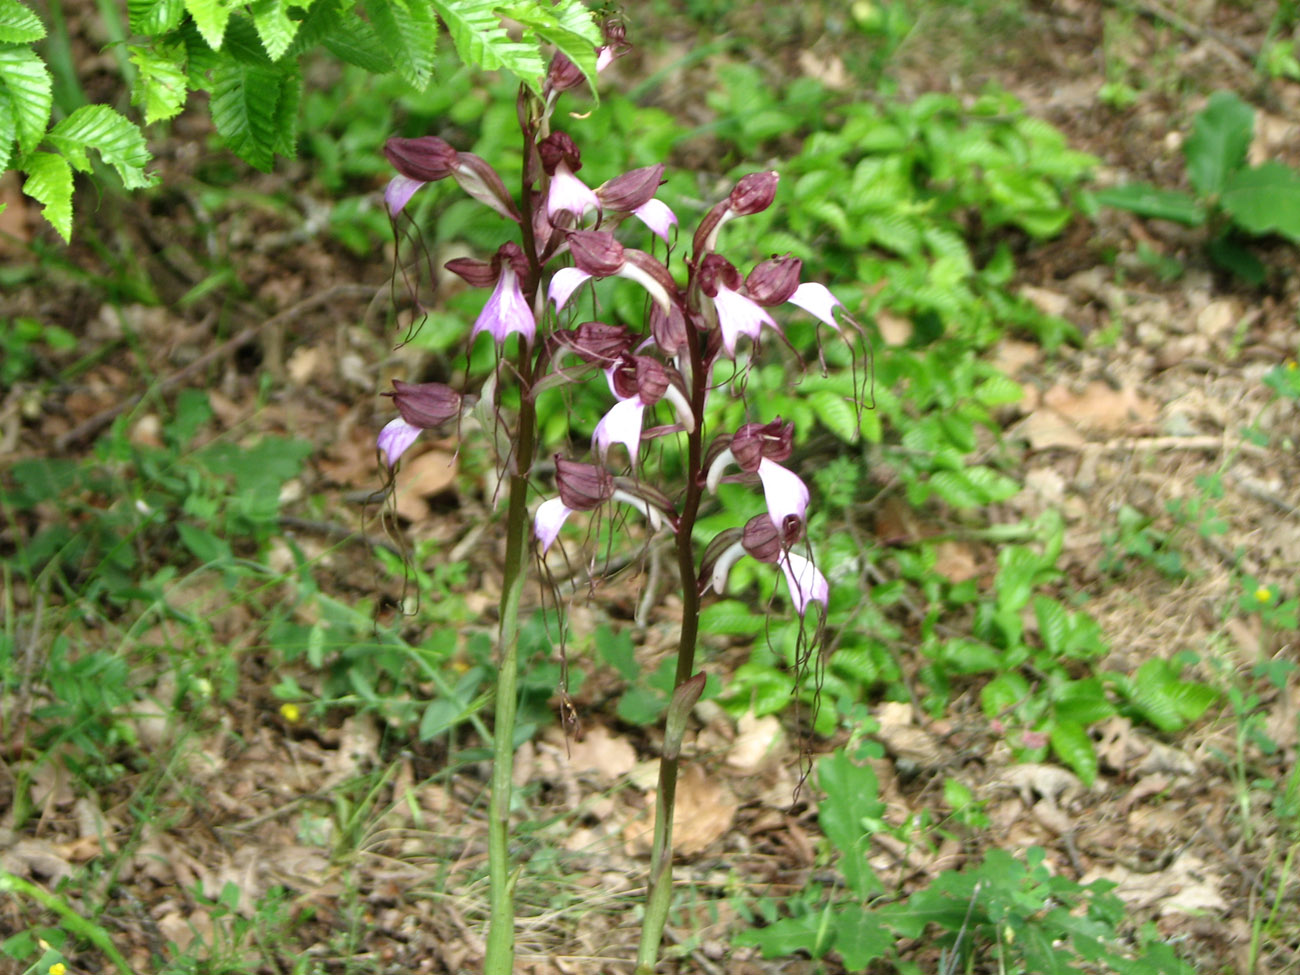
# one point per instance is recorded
(894, 329)
(1186, 886)
(429, 474)
(1012, 355)
(1045, 300)
(759, 743)
(610, 758)
(37, 859)
(705, 809)
(902, 738)
(1217, 319)
(1101, 409)
(956, 561)
(1045, 428)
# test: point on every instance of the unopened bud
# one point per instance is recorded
(716, 270)
(582, 487)
(563, 74)
(755, 441)
(595, 341)
(640, 376)
(596, 252)
(668, 328)
(558, 148)
(627, 192)
(426, 159)
(774, 281)
(754, 193)
(425, 405)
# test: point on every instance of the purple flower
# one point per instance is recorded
(561, 160)
(597, 254)
(755, 449)
(585, 487)
(428, 158)
(423, 406)
(637, 381)
(507, 310)
(761, 541)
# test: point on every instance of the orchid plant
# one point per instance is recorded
(705, 323)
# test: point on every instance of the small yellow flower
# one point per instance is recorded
(1263, 594)
(290, 712)
(1292, 365)
(58, 968)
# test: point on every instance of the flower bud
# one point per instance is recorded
(755, 441)
(596, 252)
(716, 270)
(595, 341)
(754, 193)
(563, 74)
(558, 148)
(426, 159)
(774, 281)
(475, 273)
(639, 376)
(582, 487)
(761, 539)
(627, 192)
(425, 405)
(668, 328)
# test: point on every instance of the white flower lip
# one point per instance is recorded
(622, 424)
(817, 300)
(737, 316)
(399, 191)
(785, 492)
(507, 310)
(396, 436)
(564, 283)
(569, 193)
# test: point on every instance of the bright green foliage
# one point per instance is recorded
(1233, 197)
(247, 56)
(1002, 911)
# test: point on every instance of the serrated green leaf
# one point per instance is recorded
(1002, 693)
(160, 85)
(1265, 199)
(154, 17)
(356, 42)
(836, 414)
(25, 78)
(860, 936)
(1218, 143)
(1151, 201)
(245, 100)
(286, 112)
(118, 141)
(731, 617)
(49, 181)
(998, 391)
(1072, 746)
(569, 26)
(8, 129)
(1053, 623)
(851, 803)
(409, 32)
(211, 17)
(18, 25)
(481, 39)
(274, 25)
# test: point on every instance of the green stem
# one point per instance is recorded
(659, 897)
(72, 919)
(501, 922)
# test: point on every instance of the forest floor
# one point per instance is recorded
(341, 841)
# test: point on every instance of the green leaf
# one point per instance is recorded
(118, 141)
(154, 17)
(286, 112)
(49, 181)
(245, 102)
(1053, 624)
(851, 804)
(160, 84)
(210, 16)
(26, 81)
(1265, 199)
(1230, 254)
(8, 130)
(1151, 201)
(481, 39)
(731, 617)
(568, 25)
(1218, 143)
(1072, 745)
(409, 32)
(860, 936)
(18, 25)
(836, 414)
(1003, 693)
(274, 25)
(356, 42)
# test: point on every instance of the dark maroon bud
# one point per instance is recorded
(640, 376)
(582, 487)
(595, 341)
(425, 405)
(773, 281)
(512, 252)
(717, 270)
(627, 192)
(427, 158)
(563, 74)
(476, 273)
(558, 148)
(616, 37)
(668, 328)
(761, 539)
(755, 441)
(596, 252)
(754, 193)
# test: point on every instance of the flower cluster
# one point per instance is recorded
(660, 372)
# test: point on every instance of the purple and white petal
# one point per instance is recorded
(656, 215)
(548, 520)
(564, 283)
(656, 289)
(784, 492)
(506, 311)
(817, 300)
(396, 436)
(622, 424)
(682, 407)
(737, 316)
(399, 191)
(568, 192)
(713, 477)
(806, 582)
(723, 566)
